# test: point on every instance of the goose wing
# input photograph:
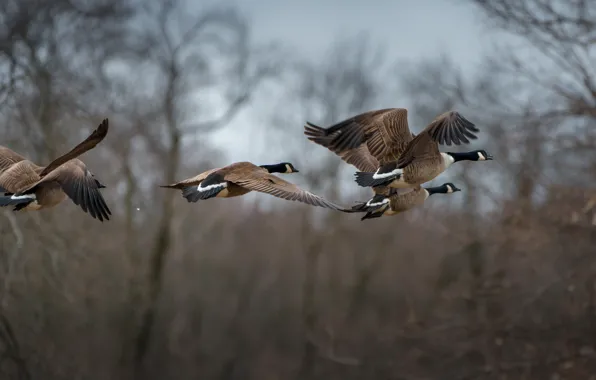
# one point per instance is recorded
(89, 143)
(360, 156)
(80, 186)
(265, 182)
(8, 157)
(448, 128)
(385, 132)
(18, 176)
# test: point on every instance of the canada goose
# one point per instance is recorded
(359, 157)
(27, 186)
(380, 204)
(405, 160)
(243, 177)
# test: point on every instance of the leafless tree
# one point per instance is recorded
(43, 46)
(194, 58)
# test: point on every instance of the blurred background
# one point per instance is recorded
(495, 282)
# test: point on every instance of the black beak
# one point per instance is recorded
(456, 189)
(296, 170)
(489, 157)
(100, 186)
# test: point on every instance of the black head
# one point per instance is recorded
(475, 155)
(283, 167)
(482, 155)
(446, 188)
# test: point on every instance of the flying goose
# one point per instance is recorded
(243, 177)
(27, 186)
(405, 160)
(359, 157)
(381, 205)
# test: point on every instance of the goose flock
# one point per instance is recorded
(391, 160)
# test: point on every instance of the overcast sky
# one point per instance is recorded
(409, 29)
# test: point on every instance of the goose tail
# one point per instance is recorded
(374, 208)
(197, 193)
(367, 179)
(18, 201)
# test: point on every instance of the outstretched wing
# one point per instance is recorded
(360, 156)
(268, 183)
(448, 128)
(90, 142)
(80, 186)
(385, 132)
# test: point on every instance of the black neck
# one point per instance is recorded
(277, 168)
(437, 190)
(465, 156)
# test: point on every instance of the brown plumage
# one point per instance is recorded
(383, 205)
(404, 160)
(27, 186)
(243, 177)
(359, 157)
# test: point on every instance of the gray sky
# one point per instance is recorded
(409, 29)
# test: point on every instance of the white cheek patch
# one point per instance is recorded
(288, 169)
(481, 157)
(383, 202)
(449, 189)
(211, 187)
(26, 196)
(392, 173)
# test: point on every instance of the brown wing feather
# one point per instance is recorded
(80, 186)
(350, 133)
(360, 156)
(90, 142)
(385, 132)
(268, 183)
(19, 176)
(391, 137)
(448, 128)
(8, 157)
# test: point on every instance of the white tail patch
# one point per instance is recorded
(388, 174)
(214, 186)
(375, 204)
(26, 196)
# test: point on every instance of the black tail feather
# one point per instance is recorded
(192, 193)
(366, 179)
(375, 214)
(19, 203)
(375, 203)
(362, 207)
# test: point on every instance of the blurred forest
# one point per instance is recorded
(496, 282)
